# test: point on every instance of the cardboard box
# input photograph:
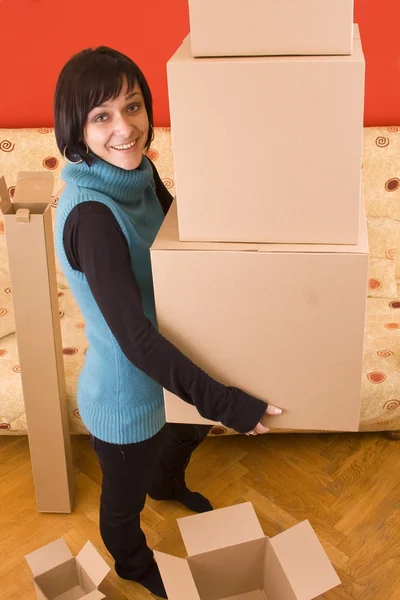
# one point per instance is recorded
(271, 27)
(284, 323)
(29, 237)
(267, 149)
(230, 558)
(57, 575)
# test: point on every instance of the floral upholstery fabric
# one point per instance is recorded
(35, 149)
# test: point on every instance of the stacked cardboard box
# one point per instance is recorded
(271, 27)
(260, 270)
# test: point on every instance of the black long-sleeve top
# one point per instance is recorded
(95, 245)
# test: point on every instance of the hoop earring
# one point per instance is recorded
(152, 136)
(74, 162)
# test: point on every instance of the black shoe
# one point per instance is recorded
(192, 500)
(151, 580)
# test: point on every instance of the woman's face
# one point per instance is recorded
(117, 130)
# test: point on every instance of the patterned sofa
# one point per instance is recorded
(35, 149)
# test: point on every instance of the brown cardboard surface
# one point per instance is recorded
(58, 580)
(49, 556)
(95, 595)
(232, 525)
(94, 565)
(310, 573)
(266, 146)
(236, 569)
(77, 592)
(34, 293)
(57, 575)
(168, 239)
(257, 27)
(177, 577)
(84, 580)
(287, 327)
(39, 593)
(276, 584)
(73, 594)
(256, 595)
(256, 569)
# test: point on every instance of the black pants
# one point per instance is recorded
(130, 471)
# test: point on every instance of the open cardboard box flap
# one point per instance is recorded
(290, 566)
(33, 191)
(304, 562)
(34, 187)
(177, 577)
(94, 565)
(49, 556)
(5, 202)
(232, 525)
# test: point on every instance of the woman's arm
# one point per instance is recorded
(94, 244)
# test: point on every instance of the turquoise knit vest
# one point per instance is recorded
(118, 403)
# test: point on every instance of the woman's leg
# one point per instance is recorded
(127, 472)
(169, 478)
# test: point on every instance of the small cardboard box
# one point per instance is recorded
(283, 322)
(230, 558)
(271, 27)
(29, 236)
(57, 575)
(267, 149)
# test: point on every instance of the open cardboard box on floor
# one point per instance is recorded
(230, 558)
(57, 575)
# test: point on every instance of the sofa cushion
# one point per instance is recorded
(384, 248)
(381, 171)
(381, 278)
(381, 184)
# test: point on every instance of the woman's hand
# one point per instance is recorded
(260, 428)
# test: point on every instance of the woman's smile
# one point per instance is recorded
(125, 147)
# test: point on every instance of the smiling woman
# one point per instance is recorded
(108, 215)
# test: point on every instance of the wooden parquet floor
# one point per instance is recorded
(347, 485)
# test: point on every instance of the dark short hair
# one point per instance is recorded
(90, 78)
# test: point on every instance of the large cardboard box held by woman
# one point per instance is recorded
(283, 322)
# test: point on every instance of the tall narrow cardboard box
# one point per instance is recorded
(29, 236)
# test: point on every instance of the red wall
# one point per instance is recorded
(38, 36)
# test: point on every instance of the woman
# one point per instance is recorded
(107, 218)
